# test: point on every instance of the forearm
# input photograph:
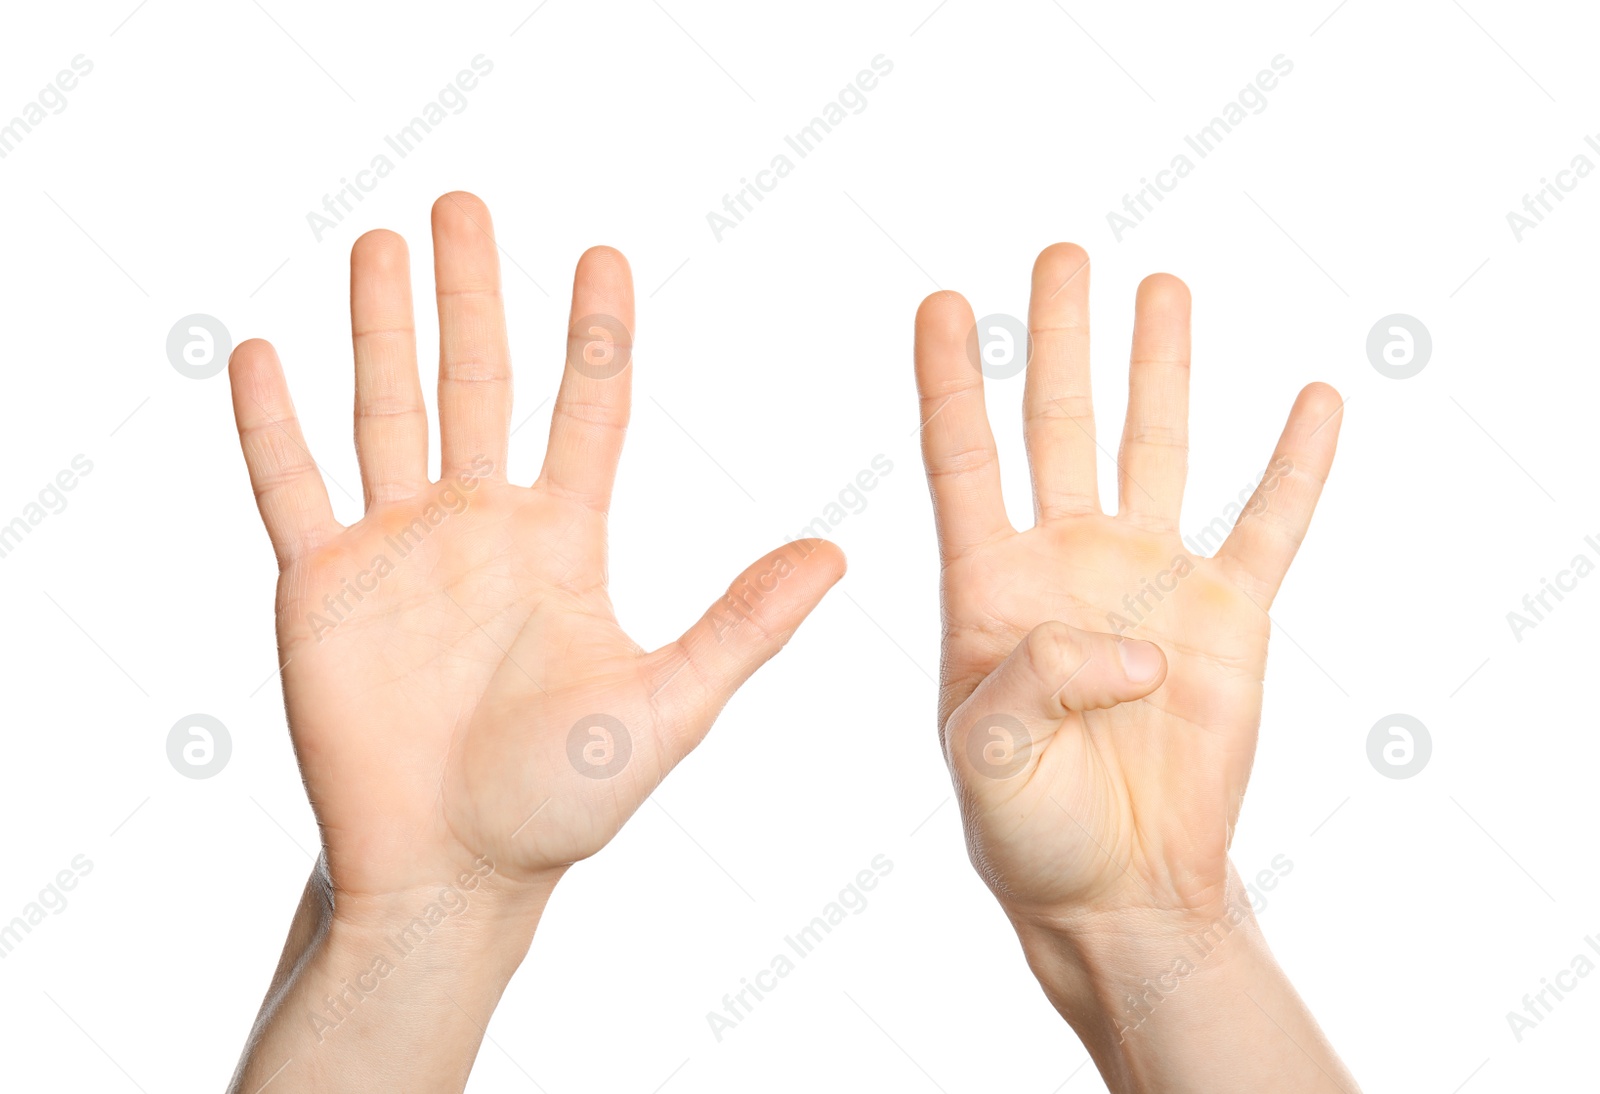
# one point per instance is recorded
(390, 994)
(1182, 1004)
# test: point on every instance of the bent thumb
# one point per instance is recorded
(1056, 670)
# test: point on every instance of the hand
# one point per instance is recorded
(458, 689)
(1101, 693)
(1101, 687)
(468, 716)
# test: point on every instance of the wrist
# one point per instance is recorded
(1141, 984)
(380, 991)
(1119, 965)
(475, 925)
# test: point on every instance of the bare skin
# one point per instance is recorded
(1100, 779)
(446, 658)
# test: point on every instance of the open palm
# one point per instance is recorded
(459, 692)
(1096, 773)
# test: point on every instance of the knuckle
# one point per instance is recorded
(1052, 648)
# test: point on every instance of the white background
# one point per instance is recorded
(1377, 180)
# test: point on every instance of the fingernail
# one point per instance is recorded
(1140, 660)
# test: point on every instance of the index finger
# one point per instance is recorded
(958, 448)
